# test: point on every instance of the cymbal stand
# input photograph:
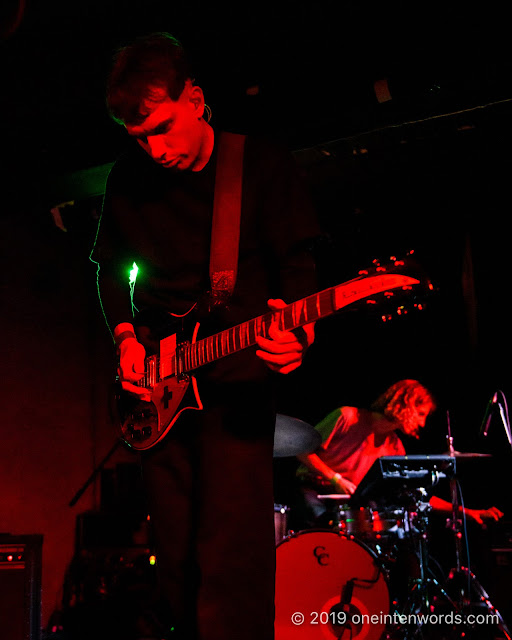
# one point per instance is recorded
(425, 592)
(454, 524)
(468, 592)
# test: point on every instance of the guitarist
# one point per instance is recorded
(209, 481)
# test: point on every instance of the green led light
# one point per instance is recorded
(133, 277)
(133, 273)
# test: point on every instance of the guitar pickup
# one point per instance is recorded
(151, 371)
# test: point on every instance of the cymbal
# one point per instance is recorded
(459, 454)
(293, 437)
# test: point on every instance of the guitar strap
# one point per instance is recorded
(227, 203)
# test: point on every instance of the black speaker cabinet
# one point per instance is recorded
(20, 587)
(501, 579)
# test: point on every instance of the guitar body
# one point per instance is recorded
(142, 424)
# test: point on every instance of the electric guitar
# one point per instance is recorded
(169, 372)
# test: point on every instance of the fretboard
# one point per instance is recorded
(295, 315)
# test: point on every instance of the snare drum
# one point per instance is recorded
(369, 524)
(280, 522)
(335, 582)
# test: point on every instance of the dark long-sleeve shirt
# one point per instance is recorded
(161, 220)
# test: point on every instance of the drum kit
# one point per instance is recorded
(368, 575)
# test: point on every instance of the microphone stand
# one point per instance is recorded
(504, 417)
(93, 475)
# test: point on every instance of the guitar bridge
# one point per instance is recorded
(137, 434)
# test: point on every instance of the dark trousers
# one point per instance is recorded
(210, 499)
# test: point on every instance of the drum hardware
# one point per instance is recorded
(460, 455)
(395, 476)
(424, 592)
(467, 591)
(400, 485)
(404, 481)
(368, 523)
(373, 525)
(344, 497)
(281, 516)
(461, 592)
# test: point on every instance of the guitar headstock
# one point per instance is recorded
(399, 302)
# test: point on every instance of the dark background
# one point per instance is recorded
(426, 170)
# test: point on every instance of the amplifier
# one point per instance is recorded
(111, 529)
(501, 579)
(20, 587)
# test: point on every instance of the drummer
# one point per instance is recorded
(353, 438)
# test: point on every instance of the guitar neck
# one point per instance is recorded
(310, 309)
(244, 335)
